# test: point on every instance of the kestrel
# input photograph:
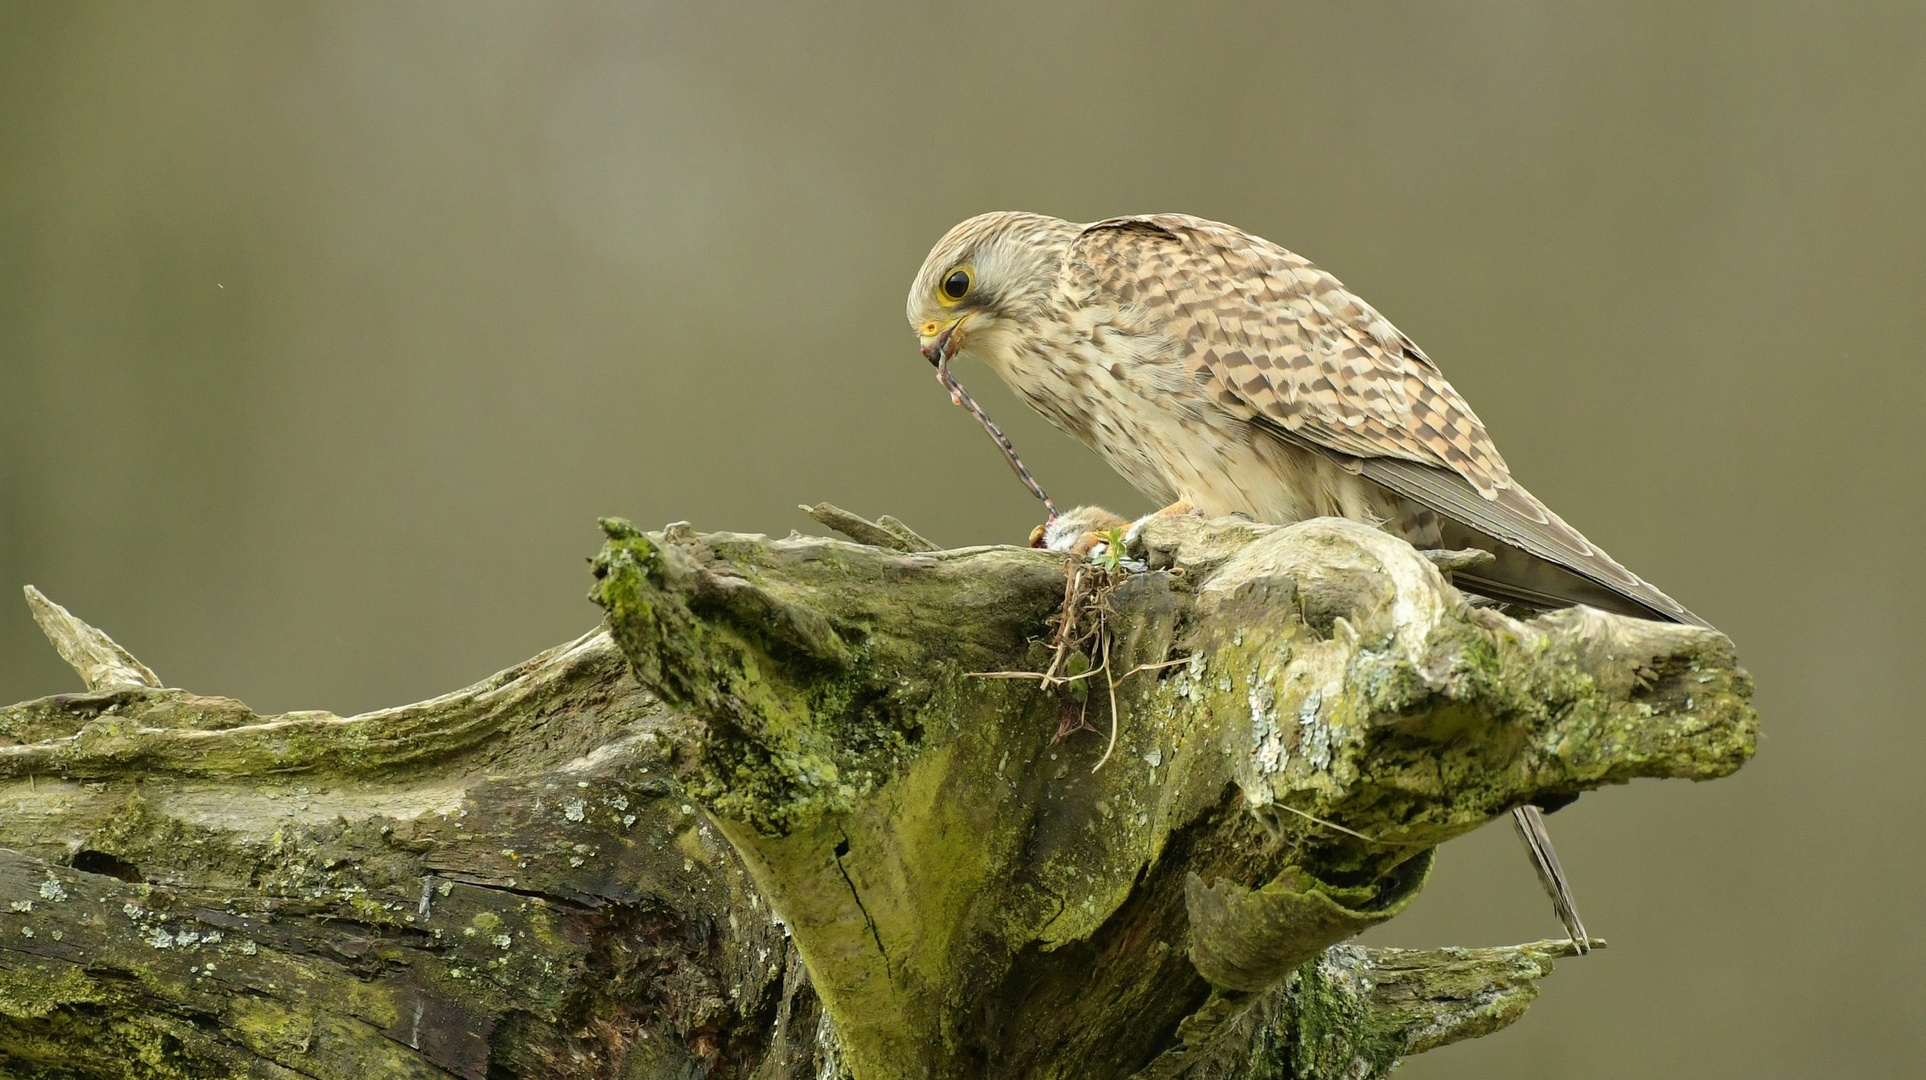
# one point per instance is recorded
(1216, 369)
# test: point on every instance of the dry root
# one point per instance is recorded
(1078, 632)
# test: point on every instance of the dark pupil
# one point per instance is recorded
(956, 285)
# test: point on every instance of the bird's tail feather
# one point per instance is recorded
(1531, 829)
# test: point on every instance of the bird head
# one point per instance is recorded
(982, 279)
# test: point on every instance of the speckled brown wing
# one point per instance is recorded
(1283, 344)
(1276, 337)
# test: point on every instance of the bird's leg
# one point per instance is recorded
(1083, 545)
(1134, 535)
(1531, 829)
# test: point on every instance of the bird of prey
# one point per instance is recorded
(1218, 371)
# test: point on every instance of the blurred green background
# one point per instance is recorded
(326, 331)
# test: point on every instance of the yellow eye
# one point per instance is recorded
(955, 286)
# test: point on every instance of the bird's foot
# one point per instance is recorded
(1133, 537)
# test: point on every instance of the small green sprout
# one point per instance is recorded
(1113, 550)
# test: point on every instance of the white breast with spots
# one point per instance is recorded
(1126, 396)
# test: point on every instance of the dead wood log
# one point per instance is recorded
(769, 822)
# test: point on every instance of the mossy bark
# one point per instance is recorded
(769, 822)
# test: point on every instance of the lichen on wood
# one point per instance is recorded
(503, 881)
(973, 900)
(768, 823)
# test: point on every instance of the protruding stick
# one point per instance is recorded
(101, 663)
(885, 532)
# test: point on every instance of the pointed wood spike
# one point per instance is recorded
(102, 664)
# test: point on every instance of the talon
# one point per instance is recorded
(1086, 546)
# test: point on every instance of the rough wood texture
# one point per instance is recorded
(575, 868)
(975, 901)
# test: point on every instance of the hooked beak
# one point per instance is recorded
(938, 348)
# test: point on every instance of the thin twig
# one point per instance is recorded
(1067, 637)
(1350, 832)
(1070, 634)
(1113, 703)
(1154, 667)
(1067, 622)
(1074, 678)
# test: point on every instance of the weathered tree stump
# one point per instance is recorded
(773, 821)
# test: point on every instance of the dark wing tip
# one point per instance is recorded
(1543, 562)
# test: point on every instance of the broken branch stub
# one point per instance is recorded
(100, 663)
(972, 901)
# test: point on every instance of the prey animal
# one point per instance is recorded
(1221, 373)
